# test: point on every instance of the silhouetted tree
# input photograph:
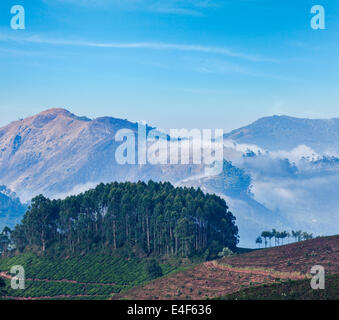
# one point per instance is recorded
(265, 235)
(258, 241)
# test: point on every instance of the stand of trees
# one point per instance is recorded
(280, 236)
(155, 217)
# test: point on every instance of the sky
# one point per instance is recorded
(172, 63)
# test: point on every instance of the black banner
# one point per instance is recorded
(167, 309)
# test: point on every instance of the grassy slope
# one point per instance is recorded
(95, 276)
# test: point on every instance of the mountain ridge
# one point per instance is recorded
(286, 132)
(51, 139)
(57, 153)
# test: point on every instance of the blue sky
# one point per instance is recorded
(203, 63)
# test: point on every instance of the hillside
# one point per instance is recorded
(55, 151)
(91, 277)
(286, 133)
(229, 275)
(275, 273)
(294, 257)
(288, 290)
(114, 237)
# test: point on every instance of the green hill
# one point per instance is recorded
(82, 277)
(156, 218)
(115, 237)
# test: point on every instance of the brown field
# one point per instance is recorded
(218, 278)
(295, 257)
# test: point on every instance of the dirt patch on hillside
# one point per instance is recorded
(295, 257)
(218, 278)
(204, 281)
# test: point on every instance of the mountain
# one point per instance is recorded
(286, 133)
(11, 209)
(57, 153)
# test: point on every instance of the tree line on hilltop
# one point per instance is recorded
(157, 218)
(280, 236)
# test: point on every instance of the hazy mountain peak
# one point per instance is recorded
(286, 133)
(55, 111)
(59, 112)
(56, 149)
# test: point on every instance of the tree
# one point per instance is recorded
(306, 236)
(265, 235)
(184, 234)
(278, 236)
(294, 235)
(153, 269)
(275, 234)
(258, 241)
(270, 236)
(226, 252)
(39, 221)
(288, 237)
(283, 235)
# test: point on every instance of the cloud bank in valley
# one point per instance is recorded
(300, 184)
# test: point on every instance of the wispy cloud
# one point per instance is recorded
(180, 11)
(177, 7)
(219, 66)
(138, 45)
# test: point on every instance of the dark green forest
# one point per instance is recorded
(153, 218)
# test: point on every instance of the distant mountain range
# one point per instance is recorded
(285, 133)
(58, 153)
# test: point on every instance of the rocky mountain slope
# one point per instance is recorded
(55, 151)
